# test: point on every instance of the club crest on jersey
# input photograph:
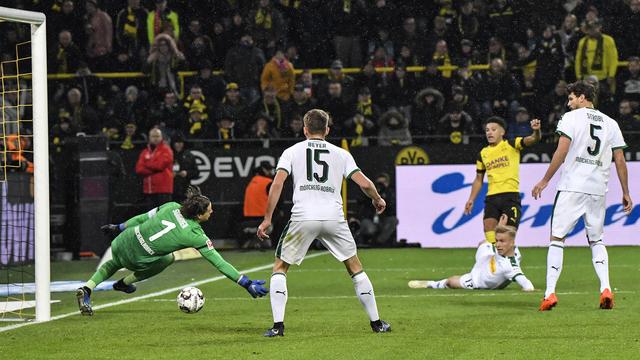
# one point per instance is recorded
(210, 244)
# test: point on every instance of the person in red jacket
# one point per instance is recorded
(155, 165)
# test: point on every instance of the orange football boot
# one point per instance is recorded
(549, 303)
(606, 299)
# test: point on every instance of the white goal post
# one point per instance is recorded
(40, 152)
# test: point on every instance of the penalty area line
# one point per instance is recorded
(150, 295)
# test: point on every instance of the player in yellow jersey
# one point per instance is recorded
(500, 160)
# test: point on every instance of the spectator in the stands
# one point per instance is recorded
(382, 59)
(455, 126)
(262, 129)
(553, 106)
(83, 117)
(521, 125)
(270, 105)
(597, 55)
(468, 54)
(410, 37)
(439, 33)
(394, 129)
(501, 19)
(200, 48)
(498, 90)
(155, 166)
(408, 57)
(238, 27)
(628, 82)
(243, 65)
(169, 113)
(570, 35)
(278, 73)
(459, 97)
(496, 50)
(549, 57)
(628, 23)
(226, 132)
(213, 86)
(629, 120)
(68, 18)
(368, 77)
(441, 57)
(301, 102)
(131, 109)
(197, 98)
(427, 110)
(267, 26)
(131, 33)
(66, 56)
(346, 18)
(366, 106)
(234, 106)
(163, 63)
(222, 42)
(294, 131)
(185, 168)
(61, 133)
(337, 75)
(381, 40)
(132, 138)
(162, 20)
(99, 30)
(197, 127)
(336, 105)
(467, 22)
(401, 89)
(358, 129)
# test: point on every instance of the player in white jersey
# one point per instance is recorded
(588, 140)
(317, 168)
(495, 268)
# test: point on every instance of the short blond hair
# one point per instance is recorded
(506, 229)
(316, 121)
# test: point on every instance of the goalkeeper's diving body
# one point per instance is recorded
(496, 266)
(145, 245)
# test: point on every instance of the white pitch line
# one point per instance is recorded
(150, 295)
(405, 296)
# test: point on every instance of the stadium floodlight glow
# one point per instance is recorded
(40, 152)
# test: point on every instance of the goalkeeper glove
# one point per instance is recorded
(112, 229)
(254, 287)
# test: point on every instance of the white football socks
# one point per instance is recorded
(278, 294)
(442, 284)
(364, 291)
(600, 259)
(554, 266)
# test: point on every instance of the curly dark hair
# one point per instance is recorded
(582, 87)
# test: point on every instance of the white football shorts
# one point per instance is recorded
(570, 206)
(298, 236)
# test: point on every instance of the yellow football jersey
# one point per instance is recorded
(502, 165)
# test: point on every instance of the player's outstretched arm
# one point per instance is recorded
(558, 158)
(524, 283)
(475, 189)
(274, 196)
(623, 176)
(535, 136)
(367, 187)
(254, 287)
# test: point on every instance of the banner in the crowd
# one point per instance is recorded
(431, 200)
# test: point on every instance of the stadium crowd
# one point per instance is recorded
(266, 48)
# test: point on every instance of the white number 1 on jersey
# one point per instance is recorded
(168, 227)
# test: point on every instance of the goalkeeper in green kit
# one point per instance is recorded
(146, 243)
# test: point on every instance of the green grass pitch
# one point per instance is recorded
(325, 320)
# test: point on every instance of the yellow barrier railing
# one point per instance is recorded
(185, 74)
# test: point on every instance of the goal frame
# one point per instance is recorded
(40, 153)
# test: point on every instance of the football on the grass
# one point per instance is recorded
(190, 300)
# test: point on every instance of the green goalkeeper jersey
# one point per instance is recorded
(160, 232)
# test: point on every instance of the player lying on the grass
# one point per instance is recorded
(146, 243)
(500, 160)
(496, 266)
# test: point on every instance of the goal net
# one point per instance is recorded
(24, 170)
